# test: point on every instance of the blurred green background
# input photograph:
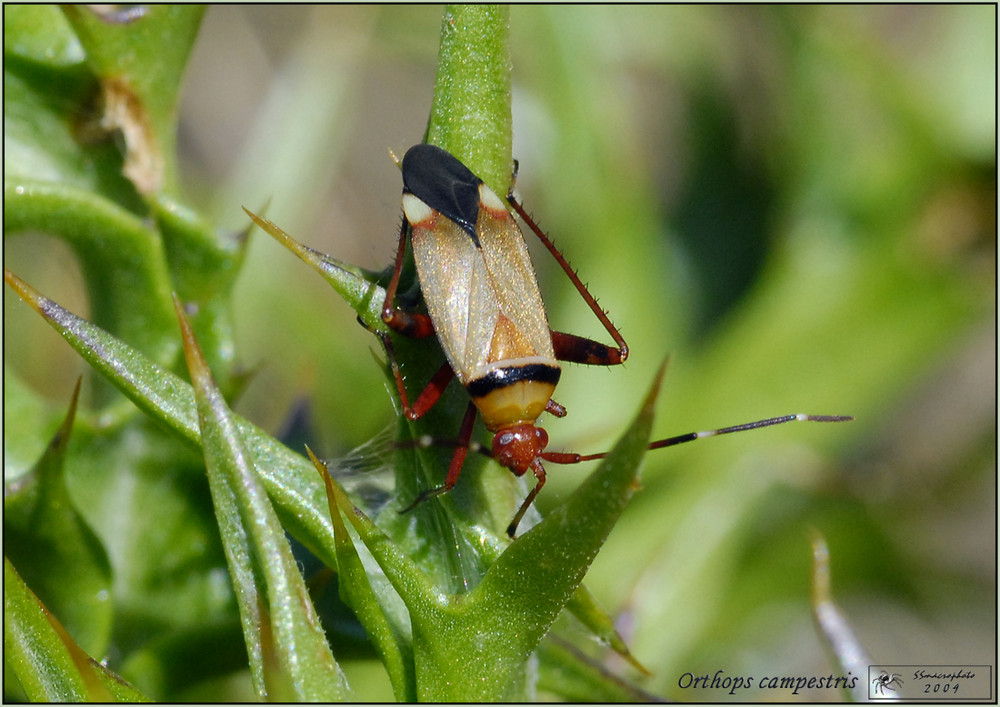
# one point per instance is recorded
(796, 204)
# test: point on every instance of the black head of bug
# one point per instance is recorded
(443, 183)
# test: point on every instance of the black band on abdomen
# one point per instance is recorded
(503, 377)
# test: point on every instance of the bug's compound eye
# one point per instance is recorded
(516, 447)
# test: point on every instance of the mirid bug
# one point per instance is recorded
(484, 306)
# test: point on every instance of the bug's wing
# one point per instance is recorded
(456, 287)
(512, 281)
(482, 297)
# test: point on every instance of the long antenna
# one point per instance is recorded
(572, 458)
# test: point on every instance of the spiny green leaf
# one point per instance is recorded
(392, 640)
(584, 607)
(50, 666)
(54, 549)
(567, 672)
(290, 479)
(290, 659)
(356, 286)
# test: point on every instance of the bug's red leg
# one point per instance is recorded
(457, 460)
(605, 358)
(431, 392)
(539, 471)
(577, 349)
(412, 324)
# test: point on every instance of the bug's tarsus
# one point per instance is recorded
(462, 446)
(424, 495)
(539, 472)
(388, 308)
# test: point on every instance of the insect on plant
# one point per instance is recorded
(484, 306)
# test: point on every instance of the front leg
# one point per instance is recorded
(412, 324)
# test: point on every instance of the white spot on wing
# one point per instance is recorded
(489, 199)
(416, 210)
